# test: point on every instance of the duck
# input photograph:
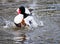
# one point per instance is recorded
(22, 12)
(24, 18)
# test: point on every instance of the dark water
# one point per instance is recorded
(47, 34)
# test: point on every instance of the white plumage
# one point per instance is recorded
(27, 11)
(18, 18)
(30, 19)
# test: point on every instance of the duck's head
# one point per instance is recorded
(22, 10)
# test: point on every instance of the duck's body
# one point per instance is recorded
(29, 21)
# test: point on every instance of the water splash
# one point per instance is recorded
(9, 24)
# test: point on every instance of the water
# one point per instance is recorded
(47, 34)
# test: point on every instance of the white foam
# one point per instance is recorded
(41, 23)
(9, 24)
